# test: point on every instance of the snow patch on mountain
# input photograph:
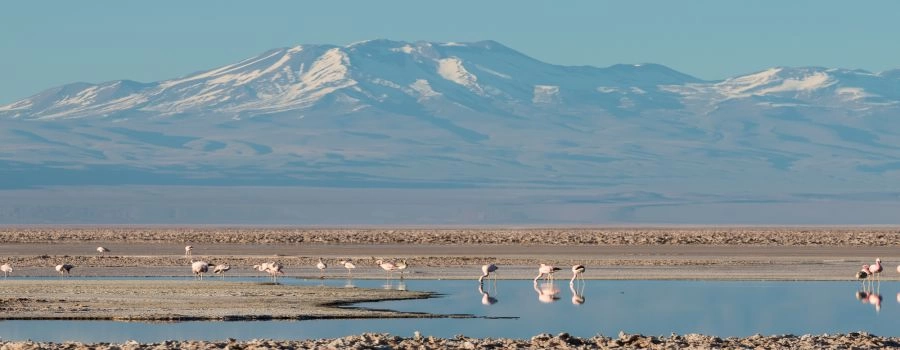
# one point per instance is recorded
(453, 70)
(423, 88)
(545, 94)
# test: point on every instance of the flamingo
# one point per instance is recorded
(349, 266)
(7, 269)
(272, 268)
(486, 270)
(221, 269)
(102, 250)
(199, 268)
(321, 266)
(64, 269)
(546, 270)
(400, 267)
(187, 250)
(577, 270)
(875, 270)
(387, 266)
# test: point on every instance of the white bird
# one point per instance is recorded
(321, 266)
(486, 270)
(400, 267)
(546, 270)
(7, 269)
(349, 266)
(221, 269)
(187, 250)
(199, 268)
(272, 268)
(387, 266)
(64, 269)
(577, 270)
(102, 250)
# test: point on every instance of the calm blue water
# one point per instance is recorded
(516, 309)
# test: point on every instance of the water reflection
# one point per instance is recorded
(577, 295)
(486, 298)
(871, 295)
(389, 284)
(546, 291)
(721, 308)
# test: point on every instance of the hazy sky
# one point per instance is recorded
(49, 43)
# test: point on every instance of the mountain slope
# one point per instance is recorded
(385, 113)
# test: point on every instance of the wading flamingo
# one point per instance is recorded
(102, 250)
(187, 250)
(546, 270)
(401, 266)
(221, 269)
(349, 266)
(272, 268)
(577, 270)
(199, 268)
(64, 269)
(321, 266)
(875, 270)
(387, 266)
(7, 269)
(486, 270)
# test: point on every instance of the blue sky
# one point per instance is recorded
(49, 43)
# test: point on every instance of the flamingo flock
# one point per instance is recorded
(867, 275)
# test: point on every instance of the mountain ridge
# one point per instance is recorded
(393, 113)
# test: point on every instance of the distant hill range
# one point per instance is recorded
(389, 114)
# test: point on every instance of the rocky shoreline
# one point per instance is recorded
(854, 340)
(744, 236)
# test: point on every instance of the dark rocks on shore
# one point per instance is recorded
(855, 340)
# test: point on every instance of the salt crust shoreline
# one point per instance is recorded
(854, 340)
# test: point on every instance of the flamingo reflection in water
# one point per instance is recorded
(871, 296)
(577, 295)
(486, 297)
(547, 292)
(389, 284)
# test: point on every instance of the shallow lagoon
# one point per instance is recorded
(517, 308)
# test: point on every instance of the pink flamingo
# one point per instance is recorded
(487, 270)
(577, 270)
(863, 273)
(546, 270)
(387, 266)
(875, 270)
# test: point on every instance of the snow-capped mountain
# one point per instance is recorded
(373, 74)
(399, 114)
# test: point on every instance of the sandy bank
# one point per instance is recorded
(187, 300)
